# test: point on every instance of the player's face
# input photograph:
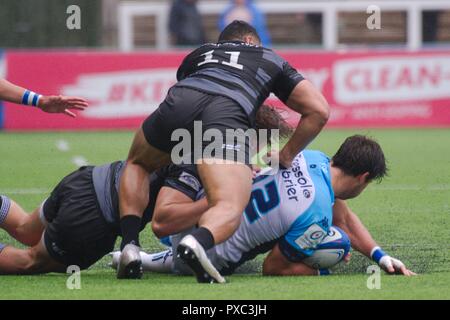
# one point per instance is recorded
(355, 187)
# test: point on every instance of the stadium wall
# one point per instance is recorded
(376, 89)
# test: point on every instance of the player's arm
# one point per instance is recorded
(175, 212)
(306, 100)
(276, 264)
(51, 104)
(362, 241)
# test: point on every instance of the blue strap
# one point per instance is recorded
(324, 272)
(378, 254)
(25, 97)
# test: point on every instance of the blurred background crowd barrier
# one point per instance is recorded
(125, 55)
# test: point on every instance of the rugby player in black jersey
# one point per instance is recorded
(222, 85)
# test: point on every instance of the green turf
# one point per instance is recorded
(408, 214)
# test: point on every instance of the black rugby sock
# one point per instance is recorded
(204, 237)
(130, 226)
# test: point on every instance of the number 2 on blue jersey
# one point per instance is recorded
(262, 201)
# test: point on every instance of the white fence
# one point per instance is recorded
(329, 10)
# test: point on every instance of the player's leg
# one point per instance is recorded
(150, 150)
(228, 186)
(161, 262)
(22, 226)
(227, 179)
(143, 159)
(34, 260)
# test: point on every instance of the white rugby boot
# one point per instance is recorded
(193, 254)
(130, 263)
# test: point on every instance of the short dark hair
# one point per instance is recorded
(359, 154)
(237, 30)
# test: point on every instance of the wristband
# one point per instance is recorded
(376, 254)
(30, 98)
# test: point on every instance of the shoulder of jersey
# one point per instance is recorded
(315, 154)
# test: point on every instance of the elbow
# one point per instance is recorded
(269, 270)
(323, 113)
(160, 227)
(160, 230)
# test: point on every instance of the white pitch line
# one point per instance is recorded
(412, 187)
(25, 191)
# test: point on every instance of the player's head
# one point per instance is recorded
(241, 31)
(360, 160)
(267, 117)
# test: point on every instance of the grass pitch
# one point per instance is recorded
(408, 214)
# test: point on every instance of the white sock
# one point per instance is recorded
(157, 262)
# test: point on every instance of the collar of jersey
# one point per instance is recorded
(231, 41)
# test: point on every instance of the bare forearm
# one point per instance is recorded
(276, 264)
(11, 92)
(294, 269)
(306, 100)
(308, 128)
(360, 237)
(177, 217)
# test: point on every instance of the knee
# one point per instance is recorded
(230, 209)
(233, 206)
(23, 235)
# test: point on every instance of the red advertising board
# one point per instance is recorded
(387, 89)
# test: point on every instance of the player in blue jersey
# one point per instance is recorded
(289, 213)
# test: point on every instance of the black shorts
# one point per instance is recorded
(77, 233)
(182, 107)
(183, 178)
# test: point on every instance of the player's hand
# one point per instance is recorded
(347, 258)
(62, 104)
(255, 170)
(394, 266)
(284, 159)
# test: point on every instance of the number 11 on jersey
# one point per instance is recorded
(234, 58)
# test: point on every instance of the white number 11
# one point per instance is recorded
(234, 57)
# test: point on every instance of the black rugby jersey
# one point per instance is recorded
(245, 73)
